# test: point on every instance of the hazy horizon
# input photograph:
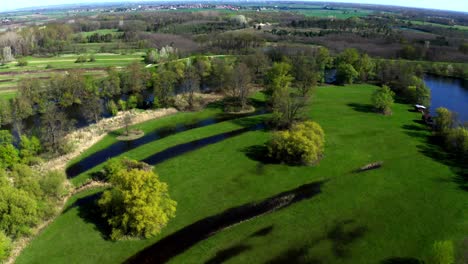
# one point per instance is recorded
(454, 5)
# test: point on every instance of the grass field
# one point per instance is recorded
(398, 210)
(335, 13)
(459, 27)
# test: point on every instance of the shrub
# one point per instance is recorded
(346, 74)
(22, 62)
(382, 99)
(456, 141)
(81, 59)
(53, 184)
(92, 58)
(442, 253)
(302, 144)
(112, 107)
(443, 120)
(5, 246)
(138, 204)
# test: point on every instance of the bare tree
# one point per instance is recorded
(241, 81)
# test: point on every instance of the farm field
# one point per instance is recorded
(43, 68)
(352, 218)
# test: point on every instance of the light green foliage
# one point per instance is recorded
(9, 155)
(302, 144)
(287, 106)
(122, 105)
(29, 148)
(18, 211)
(112, 107)
(5, 137)
(132, 102)
(443, 120)
(138, 203)
(346, 74)
(24, 179)
(456, 141)
(382, 99)
(5, 246)
(442, 253)
(53, 184)
(279, 76)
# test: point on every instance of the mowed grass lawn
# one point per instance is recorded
(398, 210)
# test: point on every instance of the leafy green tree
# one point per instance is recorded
(382, 99)
(279, 76)
(138, 203)
(5, 112)
(221, 74)
(132, 102)
(9, 156)
(18, 211)
(164, 82)
(346, 74)
(23, 179)
(302, 144)
(111, 84)
(287, 105)
(365, 68)
(112, 107)
(5, 246)
(134, 78)
(6, 137)
(444, 120)
(348, 56)
(29, 148)
(456, 141)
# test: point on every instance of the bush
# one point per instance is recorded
(456, 141)
(302, 144)
(112, 107)
(138, 204)
(442, 253)
(444, 120)
(22, 62)
(53, 184)
(92, 58)
(5, 246)
(382, 99)
(81, 59)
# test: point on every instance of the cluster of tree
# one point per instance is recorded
(382, 99)
(166, 53)
(404, 79)
(138, 203)
(351, 66)
(26, 196)
(302, 144)
(454, 136)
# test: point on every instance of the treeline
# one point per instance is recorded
(403, 78)
(27, 197)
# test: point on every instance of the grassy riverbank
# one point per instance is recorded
(398, 210)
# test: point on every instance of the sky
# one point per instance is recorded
(456, 5)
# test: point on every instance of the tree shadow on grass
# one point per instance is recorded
(262, 232)
(228, 253)
(259, 153)
(431, 148)
(401, 260)
(88, 210)
(341, 236)
(364, 108)
(178, 242)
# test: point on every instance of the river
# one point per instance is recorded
(450, 93)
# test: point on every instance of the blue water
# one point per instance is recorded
(449, 93)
